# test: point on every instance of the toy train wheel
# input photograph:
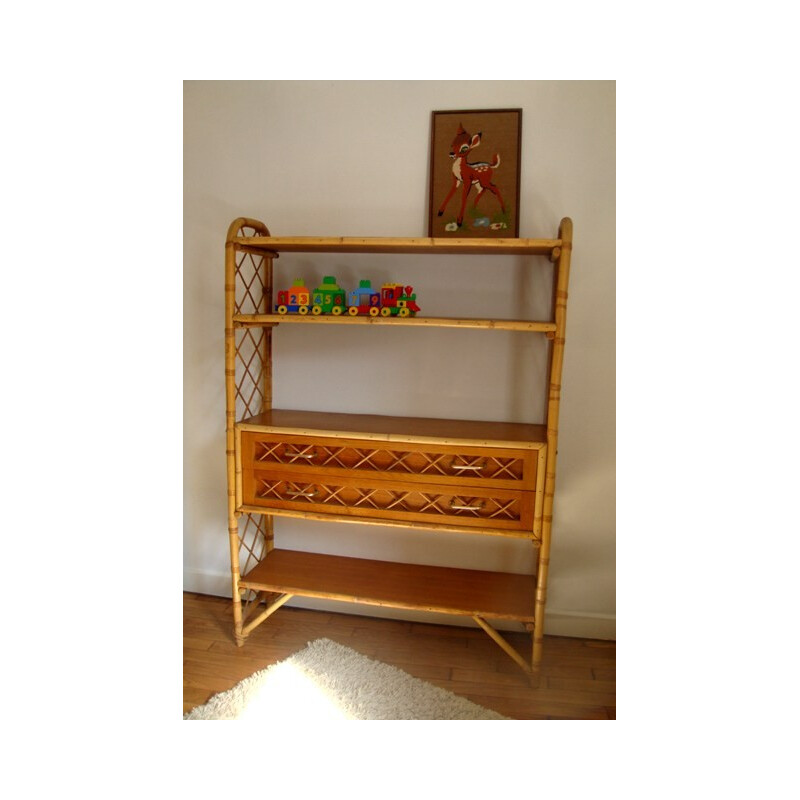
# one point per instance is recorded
(282, 309)
(353, 311)
(316, 310)
(386, 311)
(374, 311)
(336, 311)
(403, 312)
(303, 310)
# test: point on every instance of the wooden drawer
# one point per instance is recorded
(456, 465)
(470, 506)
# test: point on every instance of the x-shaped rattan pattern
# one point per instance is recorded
(250, 363)
(505, 467)
(266, 451)
(396, 461)
(504, 510)
(250, 285)
(388, 460)
(252, 541)
(305, 492)
(385, 499)
(287, 490)
(398, 499)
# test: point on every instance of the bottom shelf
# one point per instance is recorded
(497, 595)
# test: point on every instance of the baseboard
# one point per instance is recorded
(579, 624)
(582, 625)
(216, 584)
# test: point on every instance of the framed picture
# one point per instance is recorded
(475, 169)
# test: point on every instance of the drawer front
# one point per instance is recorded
(444, 464)
(414, 502)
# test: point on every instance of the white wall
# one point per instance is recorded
(350, 158)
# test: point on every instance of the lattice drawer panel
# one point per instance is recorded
(508, 467)
(502, 509)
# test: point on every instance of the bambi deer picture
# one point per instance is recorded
(486, 185)
(466, 174)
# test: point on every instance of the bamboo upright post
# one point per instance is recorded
(266, 362)
(561, 283)
(230, 421)
(230, 408)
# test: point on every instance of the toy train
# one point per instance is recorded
(394, 299)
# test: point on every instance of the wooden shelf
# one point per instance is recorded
(398, 429)
(496, 595)
(263, 320)
(422, 246)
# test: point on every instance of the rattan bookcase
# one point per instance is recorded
(492, 478)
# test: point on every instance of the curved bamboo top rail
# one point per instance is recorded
(380, 244)
(246, 222)
(258, 320)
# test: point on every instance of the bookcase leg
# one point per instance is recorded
(235, 591)
(509, 650)
(237, 624)
(536, 657)
(233, 536)
(538, 626)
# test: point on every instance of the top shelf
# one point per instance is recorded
(343, 244)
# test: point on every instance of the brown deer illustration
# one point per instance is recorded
(468, 175)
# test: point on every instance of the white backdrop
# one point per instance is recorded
(351, 158)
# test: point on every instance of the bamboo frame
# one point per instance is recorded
(265, 356)
(560, 283)
(509, 650)
(261, 597)
(267, 612)
(264, 247)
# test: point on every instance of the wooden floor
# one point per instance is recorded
(578, 675)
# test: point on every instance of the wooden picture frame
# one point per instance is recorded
(475, 195)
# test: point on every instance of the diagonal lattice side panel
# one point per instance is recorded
(251, 287)
(251, 297)
(252, 546)
(250, 349)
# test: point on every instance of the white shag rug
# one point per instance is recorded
(327, 681)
